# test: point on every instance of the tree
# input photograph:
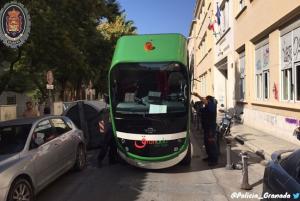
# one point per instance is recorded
(112, 31)
(117, 28)
(64, 38)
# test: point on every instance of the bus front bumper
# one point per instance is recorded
(153, 164)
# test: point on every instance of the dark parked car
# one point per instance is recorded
(282, 174)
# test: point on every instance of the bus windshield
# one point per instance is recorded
(149, 88)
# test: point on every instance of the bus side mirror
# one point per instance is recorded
(106, 98)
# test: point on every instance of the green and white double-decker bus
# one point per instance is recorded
(149, 92)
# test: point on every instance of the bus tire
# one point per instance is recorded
(188, 157)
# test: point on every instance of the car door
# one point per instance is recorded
(278, 179)
(293, 169)
(45, 155)
(67, 147)
(284, 174)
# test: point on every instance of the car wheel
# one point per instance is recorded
(188, 157)
(21, 190)
(80, 158)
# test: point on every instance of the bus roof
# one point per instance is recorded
(166, 48)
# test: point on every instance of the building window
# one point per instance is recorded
(11, 100)
(242, 76)
(298, 82)
(203, 85)
(290, 64)
(202, 47)
(287, 84)
(262, 74)
(224, 18)
(266, 84)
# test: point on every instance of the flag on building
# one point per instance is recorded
(211, 25)
(218, 14)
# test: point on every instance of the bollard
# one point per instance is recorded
(228, 157)
(245, 178)
(228, 153)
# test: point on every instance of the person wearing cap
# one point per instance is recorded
(30, 111)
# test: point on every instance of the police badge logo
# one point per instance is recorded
(15, 24)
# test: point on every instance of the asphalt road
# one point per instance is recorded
(124, 182)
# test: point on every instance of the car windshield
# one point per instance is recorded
(149, 88)
(13, 138)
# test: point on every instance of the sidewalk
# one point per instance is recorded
(230, 180)
(259, 141)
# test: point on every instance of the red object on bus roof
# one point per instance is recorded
(148, 46)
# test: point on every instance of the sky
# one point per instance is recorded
(160, 16)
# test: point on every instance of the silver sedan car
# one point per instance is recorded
(36, 151)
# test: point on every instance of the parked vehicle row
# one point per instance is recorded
(282, 174)
(36, 151)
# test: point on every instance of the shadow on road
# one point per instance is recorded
(125, 182)
(106, 183)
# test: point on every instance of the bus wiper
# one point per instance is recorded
(139, 101)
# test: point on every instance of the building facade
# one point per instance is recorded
(266, 44)
(254, 61)
(224, 75)
(201, 48)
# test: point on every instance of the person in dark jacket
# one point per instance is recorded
(108, 143)
(47, 110)
(208, 120)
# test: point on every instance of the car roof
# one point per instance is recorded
(296, 153)
(25, 121)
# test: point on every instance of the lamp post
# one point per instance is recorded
(50, 86)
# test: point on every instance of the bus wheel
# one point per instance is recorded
(188, 157)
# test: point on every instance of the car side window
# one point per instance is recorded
(45, 130)
(60, 126)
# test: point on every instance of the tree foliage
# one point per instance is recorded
(117, 28)
(66, 37)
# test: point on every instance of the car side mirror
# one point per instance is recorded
(106, 98)
(297, 133)
(39, 140)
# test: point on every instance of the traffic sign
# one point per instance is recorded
(50, 77)
(50, 86)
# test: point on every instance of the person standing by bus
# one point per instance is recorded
(30, 111)
(208, 119)
(108, 143)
